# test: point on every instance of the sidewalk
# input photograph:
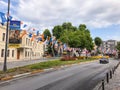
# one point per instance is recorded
(13, 64)
(114, 83)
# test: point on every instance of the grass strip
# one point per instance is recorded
(39, 66)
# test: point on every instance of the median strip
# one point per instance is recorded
(39, 67)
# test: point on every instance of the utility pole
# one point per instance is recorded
(6, 42)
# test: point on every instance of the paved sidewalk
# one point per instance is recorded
(13, 64)
(114, 83)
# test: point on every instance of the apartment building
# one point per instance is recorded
(108, 46)
(27, 50)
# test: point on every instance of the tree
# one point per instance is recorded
(46, 33)
(118, 46)
(70, 38)
(75, 37)
(98, 42)
(57, 30)
(82, 27)
(86, 39)
(67, 25)
(89, 41)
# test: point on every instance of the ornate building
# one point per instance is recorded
(27, 49)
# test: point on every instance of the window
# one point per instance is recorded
(8, 52)
(2, 53)
(28, 54)
(30, 43)
(12, 53)
(26, 41)
(3, 38)
(25, 53)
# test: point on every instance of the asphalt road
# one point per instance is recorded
(78, 77)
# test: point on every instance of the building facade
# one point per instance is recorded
(28, 49)
(108, 46)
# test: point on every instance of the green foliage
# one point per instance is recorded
(67, 26)
(88, 41)
(75, 37)
(70, 38)
(82, 27)
(98, 41)
(118, 46)
(49, 49)
(57, 30)
(46, 33)
(79, 38)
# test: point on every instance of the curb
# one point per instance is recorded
(37, 71)
(6, 78)
(43, 70)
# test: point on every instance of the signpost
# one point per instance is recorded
(13, 35)
(7, 28)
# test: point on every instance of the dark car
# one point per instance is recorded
(104, 60)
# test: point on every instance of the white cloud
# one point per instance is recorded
(48, 13)
(52, 12)
(3, 5)
(115, 37)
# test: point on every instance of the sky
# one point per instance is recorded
(102, 17)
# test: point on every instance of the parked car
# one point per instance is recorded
(104, 60)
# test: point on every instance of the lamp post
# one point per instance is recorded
(6, 44)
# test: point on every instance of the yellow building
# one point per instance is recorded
(26, 50)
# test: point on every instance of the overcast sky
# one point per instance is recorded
(102, 17)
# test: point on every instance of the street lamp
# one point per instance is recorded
(6, 44)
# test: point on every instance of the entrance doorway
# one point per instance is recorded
(18, 54)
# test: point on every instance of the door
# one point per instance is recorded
(18, 54)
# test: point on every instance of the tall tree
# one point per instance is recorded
(46, 33)
(57, 30)
(67, 25)
(70, 38)
(75, 37)
(87, 41)
(118, 46)
(98, 42)
(82, 27)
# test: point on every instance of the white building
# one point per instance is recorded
(27, 49)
